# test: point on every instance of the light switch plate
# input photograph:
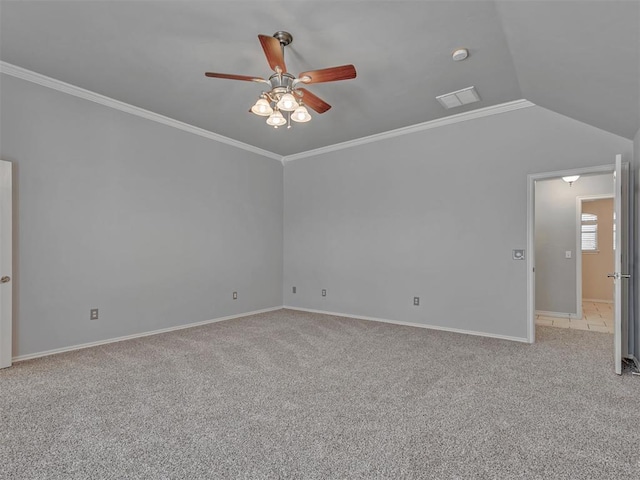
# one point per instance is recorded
(567, 254)
(518, 254)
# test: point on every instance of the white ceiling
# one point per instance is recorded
(581, 59)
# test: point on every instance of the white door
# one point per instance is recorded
(6, 293)
(621, 258)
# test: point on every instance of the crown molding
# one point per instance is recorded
(43, 80)
(439, 122)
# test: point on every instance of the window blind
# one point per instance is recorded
(589, 232)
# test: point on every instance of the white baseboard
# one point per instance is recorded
(596, 300)
(410, 324)
(556, 314)
(21, 358)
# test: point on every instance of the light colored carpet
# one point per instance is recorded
(298, 395)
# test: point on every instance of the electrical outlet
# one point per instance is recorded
(294, 289)
(235, 295)
(94, 314)
(324, 292)
(416, 300)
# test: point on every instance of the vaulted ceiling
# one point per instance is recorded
(580, 59)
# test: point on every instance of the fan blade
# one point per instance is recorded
(312, 101)
(273, 52)
(332, 74)
(234, 77)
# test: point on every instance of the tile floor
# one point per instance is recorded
(597, 317)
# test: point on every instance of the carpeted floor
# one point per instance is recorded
(298, 395)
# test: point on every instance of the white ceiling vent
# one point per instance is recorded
(459, 98)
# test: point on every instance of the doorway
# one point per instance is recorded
(564, 259)
(596, 244)
(558, 243)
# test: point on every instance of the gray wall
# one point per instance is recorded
(433, 214)
(154, 226)
(555, 218)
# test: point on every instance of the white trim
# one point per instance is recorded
(410, 324)
(64, 87)
(530, 259)
(43, 80)
(6, 262)
(618, 338)
(531, 278)
(438, 122)
(572, 316)
(46, 353)
(597, 300)
(579, 252)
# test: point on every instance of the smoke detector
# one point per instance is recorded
(460, 54)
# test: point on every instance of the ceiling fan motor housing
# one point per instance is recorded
(280, 84)
(285, 38)
(281, 80)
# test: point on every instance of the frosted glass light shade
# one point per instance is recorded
(300, 115)
(571, 178)
(276, 119)
(262, 108)
(287, 103)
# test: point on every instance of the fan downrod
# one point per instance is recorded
(285, 38)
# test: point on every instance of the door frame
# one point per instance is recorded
(6, 262)
(579, 201)
(530, 257)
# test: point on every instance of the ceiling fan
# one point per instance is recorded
(286, 93)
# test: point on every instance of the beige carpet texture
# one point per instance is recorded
(288, 394)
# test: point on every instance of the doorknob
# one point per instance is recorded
(618, 275)
(5, 279)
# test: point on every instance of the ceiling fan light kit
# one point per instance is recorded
(300, 115)
(262, 108)
(285, 94)
(287, 103)
(276, 119)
